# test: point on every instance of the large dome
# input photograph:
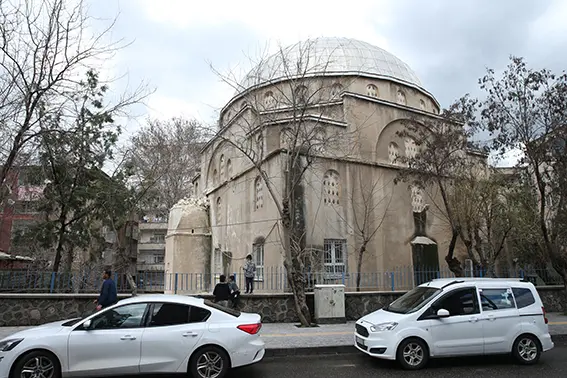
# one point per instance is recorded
(330, 57)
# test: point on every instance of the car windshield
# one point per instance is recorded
(412, 300)
(72, 322)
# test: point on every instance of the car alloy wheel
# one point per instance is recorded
(413, 354)
(210, 362)
(527, 350)
(37, 365)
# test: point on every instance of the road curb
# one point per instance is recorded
(347, 349)
(307, 351)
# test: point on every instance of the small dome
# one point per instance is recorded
(189, 216)
(330, 57)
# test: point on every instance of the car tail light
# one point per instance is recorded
(251, 329)
(544, 317)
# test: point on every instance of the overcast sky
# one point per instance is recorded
(448, 43)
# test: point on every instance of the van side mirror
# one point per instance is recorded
(87, 325)
(442, 313)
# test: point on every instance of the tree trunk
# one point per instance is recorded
(59, 248)
(132, 283)
(359, 264)
(297, 282)
(454, 263)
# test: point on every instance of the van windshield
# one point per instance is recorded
(413, 300)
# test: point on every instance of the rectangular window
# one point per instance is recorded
(171, 314)
(335, 254)
(158, 259)
(217, 263)
(258, 258)
(459, 302)
(496, 299)
(158, 238)
(26, 207)
(524, 297)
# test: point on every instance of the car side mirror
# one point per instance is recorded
(442, 313)
(87, 325)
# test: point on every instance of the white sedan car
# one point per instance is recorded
(143, 334)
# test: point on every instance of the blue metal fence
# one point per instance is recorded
(268, 280)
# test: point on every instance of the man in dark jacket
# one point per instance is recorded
(108, 293)
(222, 292)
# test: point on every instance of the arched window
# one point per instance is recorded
(260, 145)
(331, 188)
(221, 168)
(318, 140)
(229, 168)
(417, 201)
(269, 100)
(371, 90)
(411, 148)
(196, 188)
(258, 193)
(422, 104)
(301, 94)
(401, 97)
(285, 136)
(215, 177)
(434, 110)
(219, 211)
(336, 90)
(393, 153)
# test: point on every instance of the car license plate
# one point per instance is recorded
(359, 341)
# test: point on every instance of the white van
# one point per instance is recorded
(458, 317)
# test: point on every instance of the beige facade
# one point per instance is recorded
(356, 116)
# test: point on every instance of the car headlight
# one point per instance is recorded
(383, 327)
(8, 345)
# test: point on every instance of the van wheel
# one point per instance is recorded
(413, 354)
(527, 350)
(209, 362)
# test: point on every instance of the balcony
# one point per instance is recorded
(151, 246)
(151, 267)
(152, 226)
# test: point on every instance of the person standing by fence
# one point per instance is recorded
(108, 293)
(249, 274)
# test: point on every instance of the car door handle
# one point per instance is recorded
(189, 334)
(473, 320)
(128, 337)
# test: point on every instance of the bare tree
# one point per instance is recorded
(303, 109)
(442, 157)
(167, 153)
(526, 110)
(370, 201)
(484, 213)
(45, 49)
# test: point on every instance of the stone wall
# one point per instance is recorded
(34, 309)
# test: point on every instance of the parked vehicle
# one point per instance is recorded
(143, 334)
(458, 317)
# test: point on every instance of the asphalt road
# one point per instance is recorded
(552, 364)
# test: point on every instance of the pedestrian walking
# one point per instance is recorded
(234, 291)
(222, 292)
(108, 293)
(249, 274)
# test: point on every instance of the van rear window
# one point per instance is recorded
(524, 297)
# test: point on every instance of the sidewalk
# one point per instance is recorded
(288, 339)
